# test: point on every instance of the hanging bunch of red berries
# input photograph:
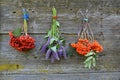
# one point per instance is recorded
(22, 42)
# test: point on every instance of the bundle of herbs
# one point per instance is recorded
(19, 41)
(54, 47)
(86, 44)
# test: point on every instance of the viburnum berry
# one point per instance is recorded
(21, 43)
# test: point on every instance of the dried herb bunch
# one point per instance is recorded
(22, 42)
(86, 44)
(54, 47)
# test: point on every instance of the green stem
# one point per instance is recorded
(25, 26)
(54, 23)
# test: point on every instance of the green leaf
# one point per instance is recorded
(17, 32)
(57, 46)
(57, 23)
(88, 59)
(86, 64)
(61, 41)
(90, 64)
(54, 48)
(90, 53)
(49, 33)
(46, 36)
(70, 52)
(54, 11)
(52, 40)
(94, 62)
(95, 56)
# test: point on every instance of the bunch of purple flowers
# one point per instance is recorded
(54, 47)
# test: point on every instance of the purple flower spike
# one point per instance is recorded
(48, 53)
(44, 47)
(52, 58)
(64, 52)
(60, 52)
(55, 54)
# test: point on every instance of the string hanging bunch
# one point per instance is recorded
(54, 47)
(86, 44)
(19, 41)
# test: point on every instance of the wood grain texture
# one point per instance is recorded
(104, 18)
(109, 25)
(33, 61)
(80, 76)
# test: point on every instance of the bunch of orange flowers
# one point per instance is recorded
(84, 46)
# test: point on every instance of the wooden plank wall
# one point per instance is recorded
(104, 17)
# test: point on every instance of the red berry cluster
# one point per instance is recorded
(22, 43)
(84, 46)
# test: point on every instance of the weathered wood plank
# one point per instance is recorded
(41, 21)
(107, 6)
(108, 60)
(110, 25)
(108, 41)
(80, 76)
(104, 17)
(104, 39)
